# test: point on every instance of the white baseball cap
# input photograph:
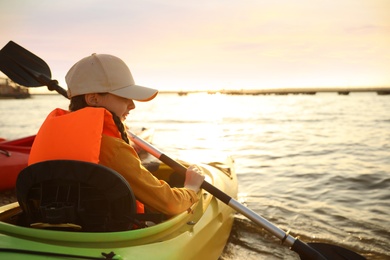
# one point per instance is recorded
(104, 73)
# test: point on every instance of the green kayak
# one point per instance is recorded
(200, 233)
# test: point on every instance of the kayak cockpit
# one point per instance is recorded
(200, 232)
(68, 195)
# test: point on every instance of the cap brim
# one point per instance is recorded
(136, 92)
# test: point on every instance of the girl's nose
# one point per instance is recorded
(131, 105)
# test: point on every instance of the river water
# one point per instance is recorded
(316, 165)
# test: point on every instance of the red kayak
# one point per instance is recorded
(14, 156)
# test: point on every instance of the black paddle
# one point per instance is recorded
(26, 69)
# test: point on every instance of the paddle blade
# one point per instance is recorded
(22, 66)
(335, 252)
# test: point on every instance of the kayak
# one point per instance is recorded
(199, 233)
(14, 157)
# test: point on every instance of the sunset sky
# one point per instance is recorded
(212, 44)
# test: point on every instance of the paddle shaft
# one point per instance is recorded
(51, 84)
(298, 246)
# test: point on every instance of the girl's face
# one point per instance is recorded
(118, 105)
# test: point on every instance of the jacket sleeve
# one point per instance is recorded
(155, 193)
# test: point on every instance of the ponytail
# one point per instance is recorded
(121, 127)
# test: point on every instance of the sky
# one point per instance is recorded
(212, 44)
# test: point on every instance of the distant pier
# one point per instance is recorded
(307, 91)
(9, 89)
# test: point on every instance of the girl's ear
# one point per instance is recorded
(91, 99)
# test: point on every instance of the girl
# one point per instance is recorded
(102, 93)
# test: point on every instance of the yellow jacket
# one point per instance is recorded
(90, 134)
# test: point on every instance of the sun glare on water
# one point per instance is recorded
(213, 129)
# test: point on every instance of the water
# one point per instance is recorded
(318, 166)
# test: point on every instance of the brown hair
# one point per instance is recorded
(78, 102)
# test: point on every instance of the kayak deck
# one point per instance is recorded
(199, 233)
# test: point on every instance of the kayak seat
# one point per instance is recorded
(71, 194)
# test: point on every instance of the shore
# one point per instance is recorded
(287, 91)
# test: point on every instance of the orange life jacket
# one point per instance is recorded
(74, 136)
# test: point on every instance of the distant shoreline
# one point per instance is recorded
(286, 91)
(272, 91)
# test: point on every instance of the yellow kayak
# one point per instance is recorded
(200, 233)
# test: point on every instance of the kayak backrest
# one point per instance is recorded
(86, 195)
